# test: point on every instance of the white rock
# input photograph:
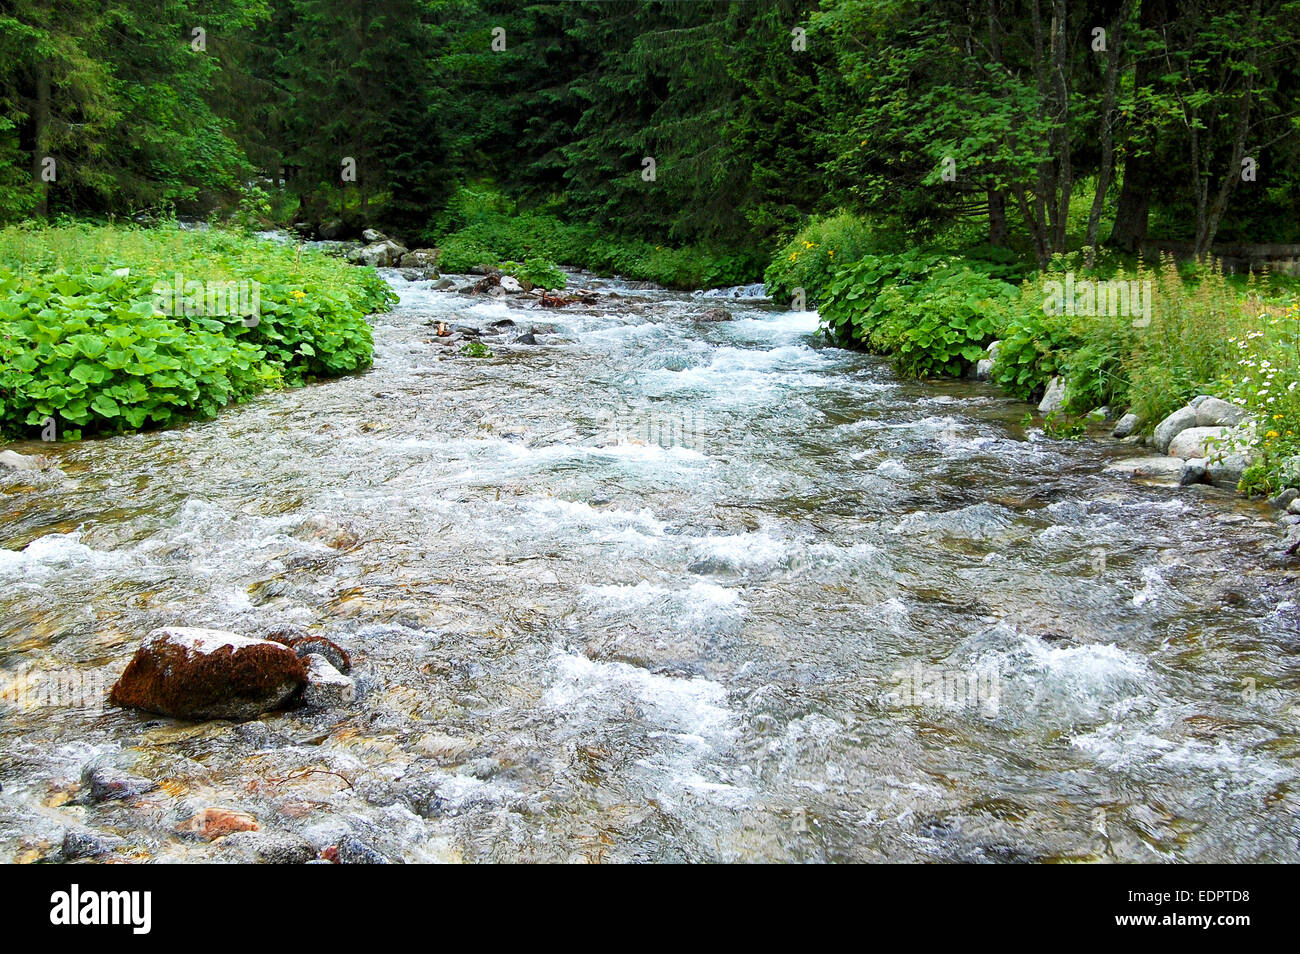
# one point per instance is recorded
(1054, 398)
(326, 686)
(511, 285)
(1126, 425)
(984, 367)
(1213, 412)
(1198, 442)
(1158, 469)
(1226, 470)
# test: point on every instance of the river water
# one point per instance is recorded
(658, 590)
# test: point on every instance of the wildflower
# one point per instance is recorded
(1272, 434)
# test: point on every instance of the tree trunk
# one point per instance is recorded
(997, 219)
(40, 120)
(1107, 130)
(1131, 213)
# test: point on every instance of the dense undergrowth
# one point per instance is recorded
(96, 335)
(481, 227)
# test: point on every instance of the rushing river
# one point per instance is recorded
(658, 590)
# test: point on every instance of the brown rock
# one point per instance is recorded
(209, 674)
(213, 823)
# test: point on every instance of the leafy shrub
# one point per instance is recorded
(536, 273)
(931, 315)
(811, 259)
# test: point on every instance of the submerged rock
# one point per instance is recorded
(84, 844)
(1160, 469)
(213, 823)
(209, 674)
(104, 783)
(271, 848)
(12, 460)
(351, 850)
(714, 314)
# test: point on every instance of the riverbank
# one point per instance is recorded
(108, 328)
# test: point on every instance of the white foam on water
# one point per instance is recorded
(55, 554)
(685, 707)
(687, 720)
(699, 605)
(1121, 746)
(552, 514)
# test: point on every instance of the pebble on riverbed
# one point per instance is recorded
(103, 783)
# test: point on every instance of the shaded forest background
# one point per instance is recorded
(1031, 126)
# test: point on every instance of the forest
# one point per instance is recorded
(1037, 127)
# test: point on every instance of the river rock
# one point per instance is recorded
(351, 850)
(1199, 442)
(383, 254)
(327, 688)
(1126, 425)
(1195, 471)
(12, 460)
(85, 844)
(192, 673)
(1225, 470)
(984, 367)
(526, 339)
(269, 848)
(1213, 412)
(443, 284)
(419, 258)
(1054, 397)
(370, 236)
(1293, 506)
(334, 654)
(1160, 469)
(1172, 426)
(105, 783)
(510, 285)
(1283, 500)
(714, 314)
(213, 823)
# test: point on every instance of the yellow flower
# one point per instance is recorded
(831, 253)
(1272, 434)
(1277, 417)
